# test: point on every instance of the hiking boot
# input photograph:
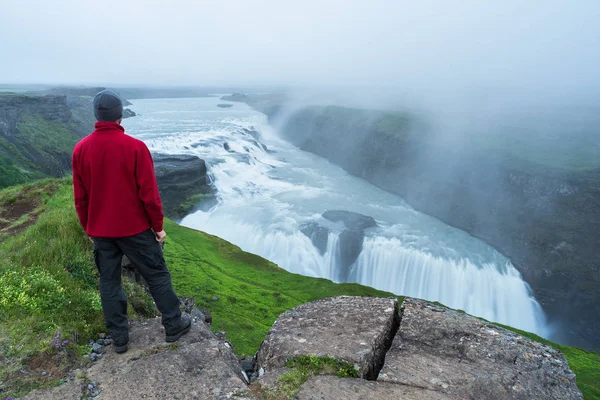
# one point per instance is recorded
(184, 326)
(120, 347)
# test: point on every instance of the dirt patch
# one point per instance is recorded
(16, 210)
(43, 369)
(25, 203)
(49, 366)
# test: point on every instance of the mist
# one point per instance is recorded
(438, 46)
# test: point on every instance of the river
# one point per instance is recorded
(268, 190)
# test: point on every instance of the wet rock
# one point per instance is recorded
(351, 245)
(464, 357)
(330, 387)
(128, 113)
(317, 234)
(351, 220)
(253, 377)
(235, 97)
(180, 178)
(248, 365)
(357, 330)
(97, 348)
(226, 146)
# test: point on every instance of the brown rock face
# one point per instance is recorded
(358, 330)
(467, 358)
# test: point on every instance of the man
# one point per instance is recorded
(119, 207)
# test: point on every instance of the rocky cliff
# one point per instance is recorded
(183, 183)
(416, 351)
(12, 106)
(35, 139)
(545, 220)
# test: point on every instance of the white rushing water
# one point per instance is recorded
(267, 190)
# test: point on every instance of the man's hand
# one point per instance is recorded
(160, 236)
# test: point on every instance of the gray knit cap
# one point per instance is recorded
(108, 106)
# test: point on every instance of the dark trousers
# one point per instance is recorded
(146, 254)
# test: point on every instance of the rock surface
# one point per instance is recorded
(331, 387)
(422, 351)
(53, 108)
(318, 235)
(180, 178)
(128, 113)
(358, 330)
(351, 220)
(465, 357)
(198, 366)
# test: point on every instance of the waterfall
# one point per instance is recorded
(332, 256)
(483, 290)
(267, 190)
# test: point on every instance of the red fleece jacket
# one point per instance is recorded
(116, 194)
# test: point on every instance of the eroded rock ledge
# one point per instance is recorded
(198, 366)
(436, 353)
(419, 351)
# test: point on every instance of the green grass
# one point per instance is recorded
(14, 168)
(302, 368)
(44, 136)
(188, 205)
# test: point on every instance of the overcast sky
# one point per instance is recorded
(300, 42)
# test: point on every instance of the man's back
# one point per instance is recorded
(117, 202)
(115, 187)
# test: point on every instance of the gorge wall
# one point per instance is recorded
(545, 220)
(35, 137)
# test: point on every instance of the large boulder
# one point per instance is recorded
(351, 220)
(181, 179)
(357, 330)
(318, 235)
(467, 358)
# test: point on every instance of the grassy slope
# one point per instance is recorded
(48, 283)
(36, 151)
